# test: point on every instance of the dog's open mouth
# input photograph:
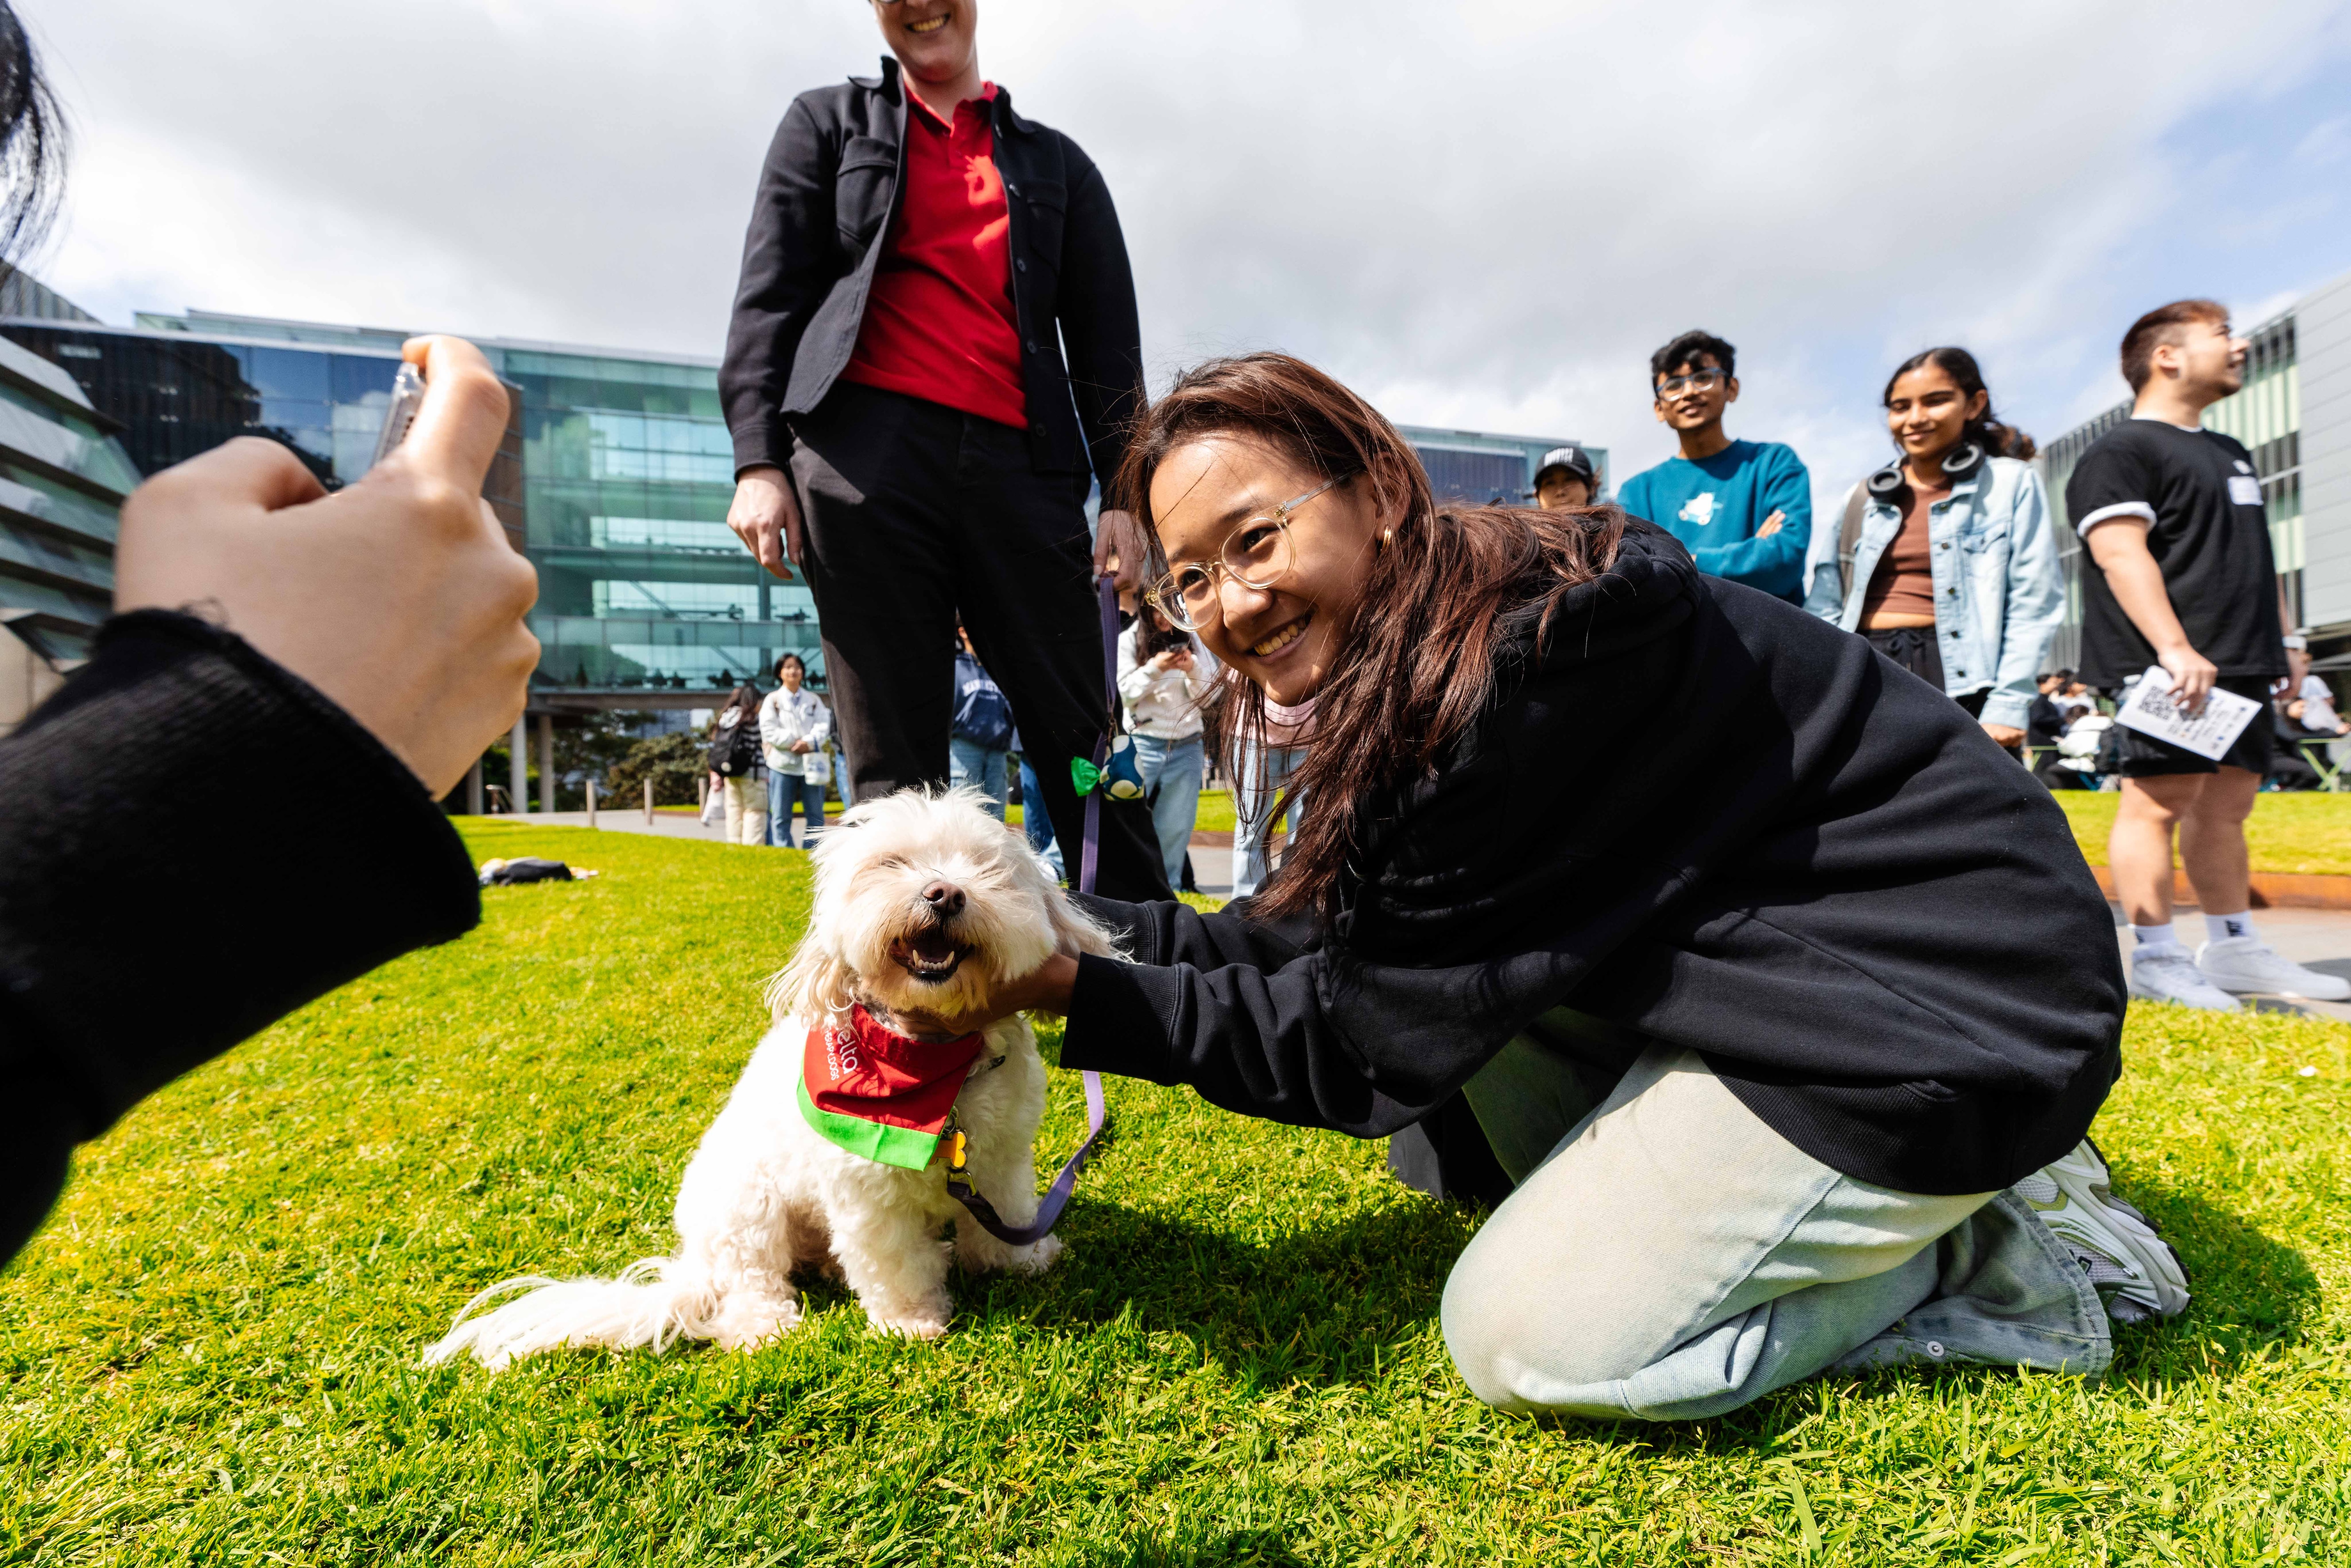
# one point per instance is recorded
(930, 956)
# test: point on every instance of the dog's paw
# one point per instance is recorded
(911, 1325)
(744, 1324)
(1035, 1258)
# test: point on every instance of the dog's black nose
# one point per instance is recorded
(945, 898)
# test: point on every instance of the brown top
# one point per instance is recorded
(1904, 582)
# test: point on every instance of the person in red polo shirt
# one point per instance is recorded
(908, 433)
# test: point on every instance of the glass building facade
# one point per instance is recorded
(1473, 466)
(616, 482)
(63, 480)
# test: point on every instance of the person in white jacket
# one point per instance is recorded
(794, 724)
(1163, 676)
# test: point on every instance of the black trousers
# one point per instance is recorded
(917, 515)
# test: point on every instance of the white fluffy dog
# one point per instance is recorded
(924, 904)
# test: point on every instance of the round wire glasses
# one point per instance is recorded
(1256, 554)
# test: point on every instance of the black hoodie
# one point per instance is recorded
(1700, 814)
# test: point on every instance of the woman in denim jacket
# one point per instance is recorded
(1946, 560)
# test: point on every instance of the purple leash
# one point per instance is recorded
(1057, 1197)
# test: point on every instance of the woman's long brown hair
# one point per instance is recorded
(1442, 595)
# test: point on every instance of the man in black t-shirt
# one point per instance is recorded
(2172, 515)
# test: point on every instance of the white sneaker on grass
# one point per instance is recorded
(2244, 964)
(2134, 1271)
(2169, 975)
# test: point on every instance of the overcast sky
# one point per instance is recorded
(1480, 215)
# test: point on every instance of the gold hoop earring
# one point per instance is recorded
(1387, 538)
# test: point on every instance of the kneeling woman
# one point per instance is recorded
(1780, 993)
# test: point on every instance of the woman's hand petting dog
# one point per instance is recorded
(1045, 989)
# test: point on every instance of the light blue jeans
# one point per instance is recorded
(974, 764)
(1666, 1256)
(1035, 820)
(1172, 769)
(841, 779)
(786, 792)
(1262, 775)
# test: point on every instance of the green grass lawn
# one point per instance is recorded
(210, 1354)
(2308, 834)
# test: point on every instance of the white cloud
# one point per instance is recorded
(1484, 215)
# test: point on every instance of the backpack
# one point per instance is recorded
(734, 747)
(982, 715)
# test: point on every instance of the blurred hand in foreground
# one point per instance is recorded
(398, 597)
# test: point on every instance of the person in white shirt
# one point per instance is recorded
(793, 726)
(1163, 676)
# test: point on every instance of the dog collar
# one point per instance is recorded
(877, 1093)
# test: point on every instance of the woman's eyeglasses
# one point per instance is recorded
(1256, 554)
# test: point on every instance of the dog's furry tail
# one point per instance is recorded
(645, 1306)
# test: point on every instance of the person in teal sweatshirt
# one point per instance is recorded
(1743, 509)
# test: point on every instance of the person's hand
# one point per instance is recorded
(801, 747)
(1045, 990)
(765, 516)
(1180, 659)
(1160, 660)
(1770, 524)
(2006, 736)
(1120, 549)
(2191, 674)
(398, 597)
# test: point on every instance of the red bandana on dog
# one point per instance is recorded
(880, 1094)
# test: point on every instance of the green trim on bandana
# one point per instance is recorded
(908, 1148)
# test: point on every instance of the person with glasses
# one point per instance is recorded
(1781, 1001)
(933, 351)
(1744, 509)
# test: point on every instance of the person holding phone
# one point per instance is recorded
(1164, 676)
(263, 628)
(1783, 1001)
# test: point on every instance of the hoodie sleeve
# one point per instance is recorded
(1236, 1009)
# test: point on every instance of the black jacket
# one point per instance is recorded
(193, 842)
(827, 194)
(1700, 813)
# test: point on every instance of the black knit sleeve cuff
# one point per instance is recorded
(1116, 1024)
(198, 841)
(766, 445)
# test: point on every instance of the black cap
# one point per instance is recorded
(1571, 457)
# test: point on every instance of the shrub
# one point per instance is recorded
(674, 762)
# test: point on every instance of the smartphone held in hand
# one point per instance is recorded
(407, 397)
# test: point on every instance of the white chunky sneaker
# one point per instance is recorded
(2134, 1271)
(2172, 976)
(2242, 963)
